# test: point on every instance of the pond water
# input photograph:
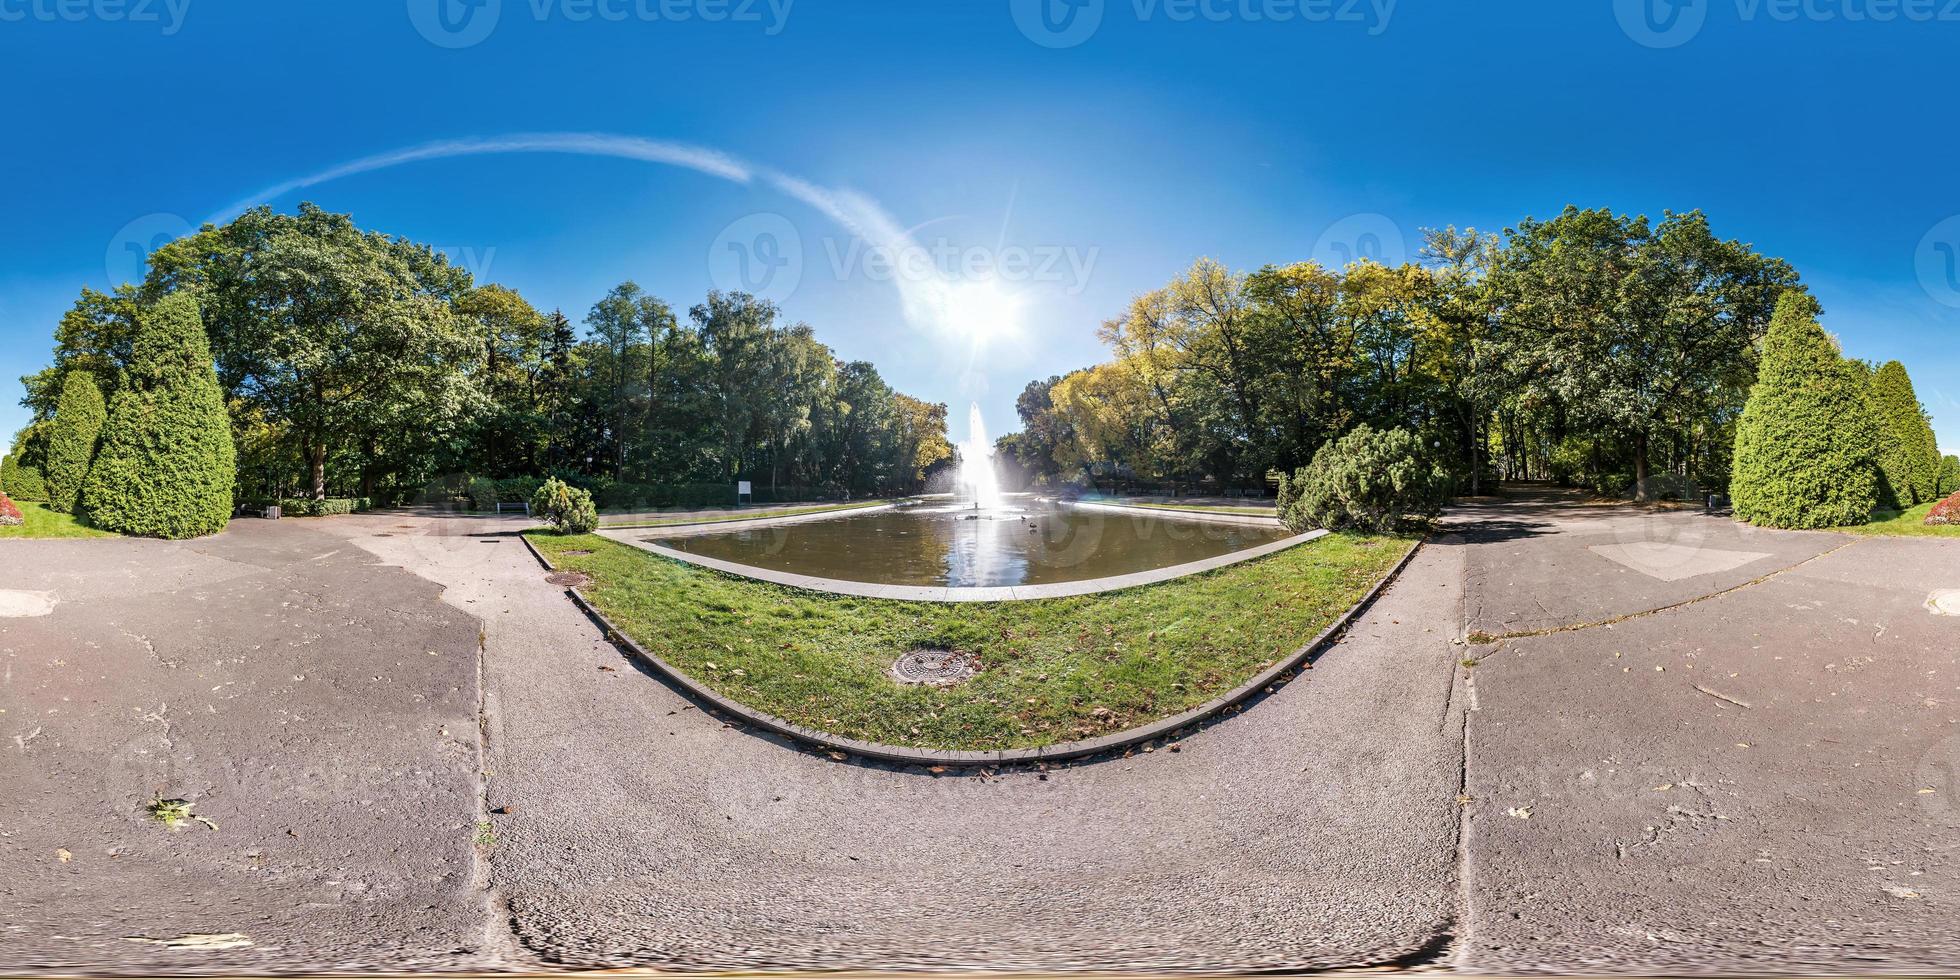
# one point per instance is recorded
(1023, 543)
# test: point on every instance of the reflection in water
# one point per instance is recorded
(951, 545)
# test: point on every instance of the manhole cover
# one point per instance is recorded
(571, 580)
(1945, 602)
(939, 668)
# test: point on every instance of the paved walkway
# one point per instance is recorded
(1690, 747)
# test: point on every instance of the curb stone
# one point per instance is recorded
(1059, 752)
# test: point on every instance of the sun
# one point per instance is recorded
(979, 311)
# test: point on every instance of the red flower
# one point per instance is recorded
(9, 514)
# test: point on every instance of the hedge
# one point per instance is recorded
(21, 482)
(167, 467)
(1806, 448)
(72, 439)
(328, 507)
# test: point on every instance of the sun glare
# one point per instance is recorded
(980, 311)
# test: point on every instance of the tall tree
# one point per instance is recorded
(1632, 326)
(1806, 449)
(1910, 458)
(345, 342)
(167, 466)
(72, 439)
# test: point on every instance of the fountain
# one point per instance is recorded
(977, 479)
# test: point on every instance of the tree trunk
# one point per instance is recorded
(1641, 491)
(319, 454)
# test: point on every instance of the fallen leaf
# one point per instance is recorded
(63, 855)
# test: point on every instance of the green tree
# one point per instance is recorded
(1806, 450)
(72, 439)
(1635, 329)
(167, 465)
(345, 341)
(1911, 460)
(1949, 477)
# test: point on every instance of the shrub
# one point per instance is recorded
(167, 466)
(1949, 476)
(1806, 448)
(566, 507)
(1615, 485)
(1368, 480)
(326, 507)
(482, 493)
(518, 489)
(72, 440)
(20, 481)
(10, 515)
(1287, 495)
(1910, 458)
(1946, 511)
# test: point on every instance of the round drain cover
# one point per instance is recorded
(939, 668)
(1945, 602)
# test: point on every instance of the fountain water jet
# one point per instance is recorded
(977, 479)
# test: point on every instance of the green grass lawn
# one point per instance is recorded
(45, 523)
(743, 515)
(1051, 670)
(1910, 523)
(1250, 511)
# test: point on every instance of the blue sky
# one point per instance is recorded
(1083, 159)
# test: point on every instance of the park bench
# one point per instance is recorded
(1719, 505)
(525, 507)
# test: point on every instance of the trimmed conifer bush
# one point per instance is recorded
(167, 466)
(566, 507)
(1949, 476)
(1910, 458)
(1806, 448)
(20, 481)
(1370, 480)
(78, 420)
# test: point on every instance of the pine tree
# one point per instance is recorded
(167, 465)
(72, 440)
(1911, 459)
(1806, 446)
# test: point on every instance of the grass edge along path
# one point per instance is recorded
(1051, 670)
(1910, 523)
(721, 517)
(42, 523)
